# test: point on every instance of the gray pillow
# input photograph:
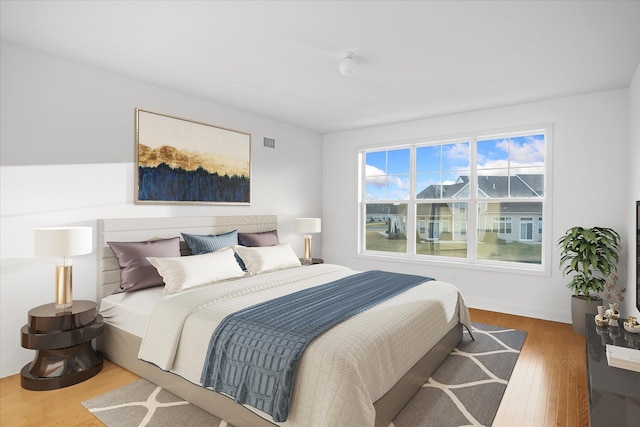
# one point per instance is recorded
(135, 271)
(203, 244)
(264, 238)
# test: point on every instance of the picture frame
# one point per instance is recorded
(182, 161)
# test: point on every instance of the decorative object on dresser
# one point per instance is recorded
(63, 242)
(623, 357)
(612, 314)
(307, 226)
(632, 326)
(591, 255)
(62, 340)
(184, 161)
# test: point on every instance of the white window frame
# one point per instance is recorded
(544, 268)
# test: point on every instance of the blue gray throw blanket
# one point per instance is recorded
(254, 353)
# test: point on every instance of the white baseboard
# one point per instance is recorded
(519, 310)
(13, 366)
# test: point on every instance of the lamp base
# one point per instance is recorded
(306, 259)
(64, 287)
(64, 308)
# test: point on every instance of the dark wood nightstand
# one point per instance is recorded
(313, 261)
(62, 340)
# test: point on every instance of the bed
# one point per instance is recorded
(361, 372)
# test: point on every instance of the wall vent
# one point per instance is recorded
(269, 142)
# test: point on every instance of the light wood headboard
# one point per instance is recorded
(139, 229)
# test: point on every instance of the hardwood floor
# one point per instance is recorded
(548, 386)
(20, 407)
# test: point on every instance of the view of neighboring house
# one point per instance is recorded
(519, 220)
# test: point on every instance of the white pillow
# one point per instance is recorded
(185, 272)
(266, 258)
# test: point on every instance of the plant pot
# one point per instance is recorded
(579, 308)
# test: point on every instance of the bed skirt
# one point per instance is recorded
(122, 348)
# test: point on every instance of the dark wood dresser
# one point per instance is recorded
(614, 393)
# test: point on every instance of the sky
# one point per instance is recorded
(387, 172)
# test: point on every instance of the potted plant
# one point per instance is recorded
(591, 255)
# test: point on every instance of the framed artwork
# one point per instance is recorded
(184, 161)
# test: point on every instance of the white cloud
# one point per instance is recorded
(377, 177)
(518, 157)
(529, 153)
(370, 170)
(458, 153)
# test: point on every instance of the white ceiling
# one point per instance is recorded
(280, 58)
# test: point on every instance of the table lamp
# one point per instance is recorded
(307, 226)
(63, 242)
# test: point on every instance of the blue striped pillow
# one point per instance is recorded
(204, 244)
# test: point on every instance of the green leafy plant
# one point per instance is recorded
(592, 255)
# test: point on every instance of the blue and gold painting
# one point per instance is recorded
(183, 161)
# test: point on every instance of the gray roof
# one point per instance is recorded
(522, 185)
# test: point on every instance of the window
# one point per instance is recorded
(386, 227)
(479, 199)
(463, 228)
(526, 229)
(387, 174)
(502, 225)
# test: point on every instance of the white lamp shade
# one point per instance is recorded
(63, 241)
(307, 225)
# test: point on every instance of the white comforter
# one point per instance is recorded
(344, 370)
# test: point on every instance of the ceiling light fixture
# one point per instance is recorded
(347, 65)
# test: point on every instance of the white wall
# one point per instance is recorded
(67, 158)
(590, 172)
(634, 190)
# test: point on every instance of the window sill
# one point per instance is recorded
(497, 267)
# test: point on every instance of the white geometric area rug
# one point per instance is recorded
(465, 390)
